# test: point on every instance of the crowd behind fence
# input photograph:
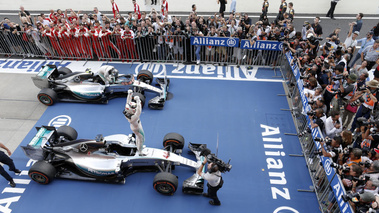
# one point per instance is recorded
(326, 183)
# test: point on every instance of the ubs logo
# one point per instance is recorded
(60, 120)
(231, 42)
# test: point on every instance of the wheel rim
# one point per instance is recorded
(45, 99)
(165, 187)
(39, 177)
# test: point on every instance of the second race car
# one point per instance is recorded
(97, 87)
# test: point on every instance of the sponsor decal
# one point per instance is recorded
(215, 41)
(60, 120)
(262, 45)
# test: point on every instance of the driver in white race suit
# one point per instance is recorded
(108, 74)
(132, 113)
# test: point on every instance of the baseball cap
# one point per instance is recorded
(353, 77)
(371, 32)
(356, 32)
(367, 197)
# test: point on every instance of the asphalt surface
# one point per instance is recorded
(20, 109)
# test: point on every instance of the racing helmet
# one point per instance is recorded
(113, 74)
(131, 108)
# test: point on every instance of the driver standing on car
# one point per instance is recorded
(132, 113)
(215, 182)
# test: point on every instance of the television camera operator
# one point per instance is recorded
(215, 182)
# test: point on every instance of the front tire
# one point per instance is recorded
(42, 172)
(67, 132)
(173, 139)
(145, 76)
(165, 183)
(47, 96)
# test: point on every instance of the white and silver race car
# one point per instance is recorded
(97, 87)
(112, 158)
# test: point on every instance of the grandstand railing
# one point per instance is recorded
(326, 183)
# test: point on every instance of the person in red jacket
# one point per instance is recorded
(137, 9)
(114, 8)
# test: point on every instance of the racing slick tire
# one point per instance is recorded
(42, 172)
(173, 139)
(165, 183)
(67, 132)
(47, 96)
(145, 76)
(141, 97)
(64, 71)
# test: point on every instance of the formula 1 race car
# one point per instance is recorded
(97, 87)
(112, 159)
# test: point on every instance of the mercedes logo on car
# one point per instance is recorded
(60, 120)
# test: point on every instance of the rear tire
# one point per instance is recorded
(42, 172)
(64, 71)
(145, 76)
(67, 132)
(173, 139)
(47, 96)
(165, 183)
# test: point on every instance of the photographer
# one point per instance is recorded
(333, 149)
(333, 124)
(370, 98)
(333, 88)
(313, 44)
(316, 120)
(215, 182)
(373, 171)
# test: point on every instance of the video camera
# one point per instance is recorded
(212, 158)
(337, 77)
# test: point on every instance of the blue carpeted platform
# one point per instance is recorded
(199, 110)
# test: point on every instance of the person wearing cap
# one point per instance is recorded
(363, 204)
(371, 54)
(365, 42)
(370, 96)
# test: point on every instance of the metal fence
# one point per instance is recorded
(327, 184)
(149, 48)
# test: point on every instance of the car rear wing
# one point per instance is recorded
(45, 134)
(41, 80)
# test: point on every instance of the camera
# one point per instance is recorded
(337, 77)
(307, 130)
(353, 197)
(311, 112)
(304, 77)
(358, 101)
(362, 88)
(327, 141)
(343, 168)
